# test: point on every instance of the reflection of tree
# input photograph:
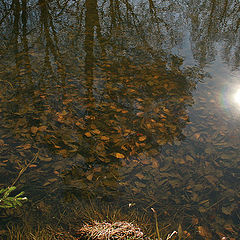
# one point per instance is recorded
(98, 86)
(125, 91)
(215, 21)
(138, 106)
(137, 94)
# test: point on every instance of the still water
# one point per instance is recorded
(124, 102)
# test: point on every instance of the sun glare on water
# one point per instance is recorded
(236, 97)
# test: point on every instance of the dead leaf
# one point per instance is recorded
(34, 130)
(119, 155)
(56, 146)
(142, 138)
(1, 142)
(146, 161)
(189, 158)
(204, 232)
(197, 135)
(42, 128)
(52, 179)
(45, 184)
(229, 228)
(63, 152)
(104, 138)
(154, 163)
(90, 176)
(96, 131)
(195, 221)
(123, 148)
(88, 134)
(139, 175)
(97, 169)
(139, 114)
(212, 179)
(63, 113)
(32, 165)
(26, 146)
(45, 159)
(228, 210)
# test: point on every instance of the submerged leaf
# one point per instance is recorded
(142, 138)
(119, 155)
(88, 134)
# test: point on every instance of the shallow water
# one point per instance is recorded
(125, 102)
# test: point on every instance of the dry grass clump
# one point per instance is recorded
(110, 231)
(41, 233)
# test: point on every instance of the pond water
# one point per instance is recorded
(124, 102)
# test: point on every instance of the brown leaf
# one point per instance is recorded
(123, 148)
(161, 141)
(1, 142)
(197, 135)
(96, 131)
(63, 152)
(97, 169)
(88, 134)
(56, 146)
(104, 138)
(45, 159)
(154, 163)
(228, 210)
(229, 228)
(32, 165)
(63, 113)
(34, 129)
(139, 175)
(119, 155)
(212, 179)
(195, 221)
(189, 158)
(42, 128)
(139, 114)
(52, 179)
(90, 177)
(204, 232)
(26, 146)
(146, 161)
(142, 138)
(79, 124)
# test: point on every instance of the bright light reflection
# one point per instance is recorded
(237, 97)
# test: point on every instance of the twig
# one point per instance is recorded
(216, 203)
(165, 227)
(24, 169)
(7, 82)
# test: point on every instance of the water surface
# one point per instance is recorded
(125, 102)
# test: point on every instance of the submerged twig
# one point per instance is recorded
(24, 169)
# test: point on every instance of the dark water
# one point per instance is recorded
(125, 102)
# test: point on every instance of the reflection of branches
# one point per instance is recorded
(16, 13)
(24, 33)
(220, 22)
(46, 19)
(7, 11)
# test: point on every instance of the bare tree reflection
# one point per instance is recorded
(108, 87)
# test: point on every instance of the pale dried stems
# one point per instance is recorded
(107, 231)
